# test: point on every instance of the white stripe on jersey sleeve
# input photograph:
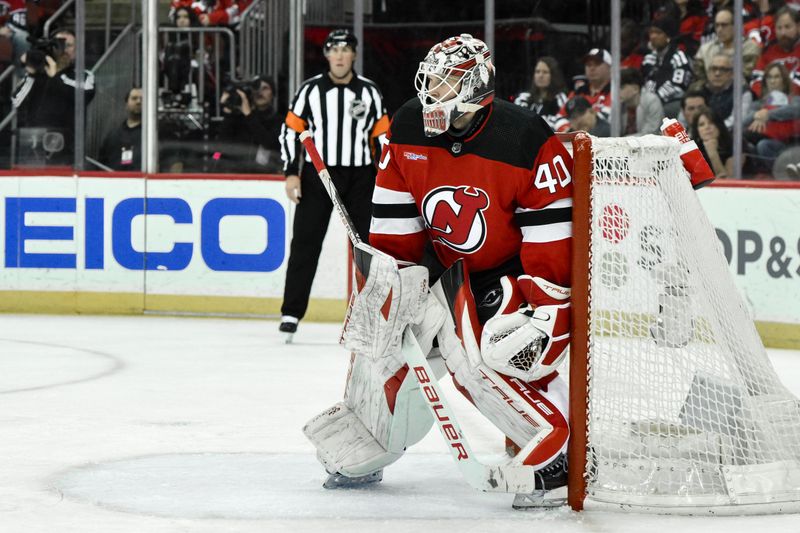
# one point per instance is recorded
(558, 204)
(549, 233)
(396, 226)
(382, 195)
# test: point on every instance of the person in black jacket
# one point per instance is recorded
(547, 93)
(250, 128)
(666, 70)
(122, 147)
(45, 102)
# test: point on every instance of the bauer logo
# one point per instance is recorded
(455, 216)
(94, 233)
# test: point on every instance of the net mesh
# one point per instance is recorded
(684, 407)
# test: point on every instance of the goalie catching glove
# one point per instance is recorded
(530, 343)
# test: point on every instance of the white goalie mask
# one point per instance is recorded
(455, 78)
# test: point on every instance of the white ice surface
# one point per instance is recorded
(156, 424)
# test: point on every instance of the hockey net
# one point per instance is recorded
(680, 407)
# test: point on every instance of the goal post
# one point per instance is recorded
(674, 404)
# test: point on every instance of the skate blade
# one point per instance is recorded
(540, 500)
(288, 338)
(338, 481)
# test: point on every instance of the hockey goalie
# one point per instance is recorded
(470, 255)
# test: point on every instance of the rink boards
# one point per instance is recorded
(125, 244)
(219, 244)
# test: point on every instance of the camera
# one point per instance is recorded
(234, 101)
(43, 47)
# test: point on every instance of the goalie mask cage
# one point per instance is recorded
(674, 405)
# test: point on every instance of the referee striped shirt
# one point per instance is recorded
(344, 120)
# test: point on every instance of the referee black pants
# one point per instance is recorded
(355, 185)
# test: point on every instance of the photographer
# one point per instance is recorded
(250, 128)
(45, 101)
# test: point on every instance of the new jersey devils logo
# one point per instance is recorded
(455, 216)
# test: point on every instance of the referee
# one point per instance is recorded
(345, 113)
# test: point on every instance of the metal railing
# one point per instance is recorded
(107, 18)
(8, 72)
(216, 58)
(55, 16)
(262, 29)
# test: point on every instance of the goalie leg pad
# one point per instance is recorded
(344, 444)
(385, 300)
(383, 414)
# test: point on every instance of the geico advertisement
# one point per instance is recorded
(760, 236)
(161, 236)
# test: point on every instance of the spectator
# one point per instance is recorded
(691, 103)
(641, 110)
(692, 22)
(122, 147)
(631, 44)
(181, 115)
(749, 10)
(179, 61)
(596, 90)
(197, 8)
(774, 119)
(45, 100)
(583, 117)
(225, 13)
(667, 71)
(718, 89)
(724, 43)
(546, 94)
(337, 100)
(761, 27)
(250, 128)
(785, 49)
(185, 17)
(13, 26)
(714, 141)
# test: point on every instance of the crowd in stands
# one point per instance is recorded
(680, 65)
(210, 118)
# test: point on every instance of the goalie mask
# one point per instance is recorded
(455, 78)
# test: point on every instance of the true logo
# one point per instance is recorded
(358, 109)
(455, 216)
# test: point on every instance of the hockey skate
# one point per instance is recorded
(551, 488)
(339, 481)
(288, 327)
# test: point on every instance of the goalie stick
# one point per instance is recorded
(504, 477)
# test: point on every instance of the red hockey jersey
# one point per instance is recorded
(504, 190)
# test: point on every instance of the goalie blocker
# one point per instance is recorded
(506, 369)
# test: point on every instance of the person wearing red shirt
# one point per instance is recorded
(785, 49)
(597, 90)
